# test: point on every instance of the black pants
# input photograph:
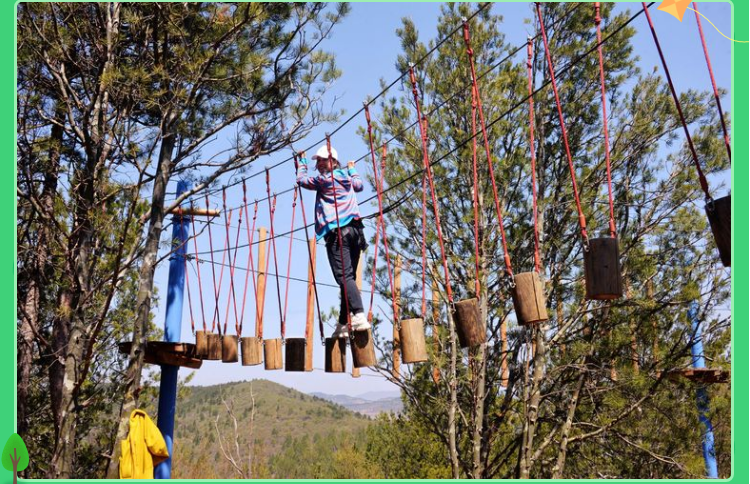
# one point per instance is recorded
(345, 272)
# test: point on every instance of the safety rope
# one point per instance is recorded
(309, 255)
(340, 239)
(475, 88)
(571, 167)
(289, 260)
(272, 211)
(378, 225)
(598, 22)
(427, 167)
(713, 82)
(197, 264)
(251, 263)
(701, 176)
(381, 218)
(534, 208)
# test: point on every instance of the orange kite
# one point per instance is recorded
(675, 7)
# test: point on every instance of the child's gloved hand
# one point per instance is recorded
(350, 165)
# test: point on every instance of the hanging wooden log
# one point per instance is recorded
(309, 327)
(252, 351)
(435, 334)
(719, 213)
(260, 303)
(396, 353)
(602, 268)
(201, 344)
(272, 354)
(295, 354)
(229, 348)
(528, 298)
(363, 350)
(335, 355)
(214, 346)
(469, 327)
(412, 340)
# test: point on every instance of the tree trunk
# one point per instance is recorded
(557, 470)
(453, 385)
(143, 301)
(480, 370)
(532, 412)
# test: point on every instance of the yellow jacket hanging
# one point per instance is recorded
(143, 449)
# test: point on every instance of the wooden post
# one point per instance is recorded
(355, 370)
(435, 334)
(260, 303)
(309, 328)
(396, 372)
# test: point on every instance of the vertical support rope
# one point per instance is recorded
(571, 167)
(532, 119)
(289, 260)
(426, 163)
(187, 277)
(475, 190)
(381, 218)
(272, 211)
(713, 82)
(250, 262)
(424, 228)
(475, 88)
(701, 176)
(309, 255)
(380, 178)
(340, 239)
(232, 266)
(598, 22)
(197, 263)
(216, 320)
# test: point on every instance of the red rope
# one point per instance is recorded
(187, 280)
(250, 262)
(272, 211)
(571, 167)
(713, 82)
(529, 70)
(475, 87)
(701, 176)
(426, 163)
(598, 21)
(230, 292)
(341, 241)
(309, 255)
(381, 219)
(232, 265)
(197, 264)
(379, 177)
(424, 230)
(475, 195)
(217, 288)
(289, 260)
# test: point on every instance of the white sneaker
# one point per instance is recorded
(360, 323)
(341, 331)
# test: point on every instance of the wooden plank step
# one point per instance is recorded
(167, 353)
(700, 375)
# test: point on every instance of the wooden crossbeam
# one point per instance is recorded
(700, 375)
(166, 353)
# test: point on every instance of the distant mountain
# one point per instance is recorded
(280, 414)
(370, 404)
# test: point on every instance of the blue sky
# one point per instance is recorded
(366, 47)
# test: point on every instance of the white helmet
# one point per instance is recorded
(323, 153)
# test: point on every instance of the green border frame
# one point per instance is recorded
(739, 109)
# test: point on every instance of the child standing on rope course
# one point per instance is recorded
(330, 196)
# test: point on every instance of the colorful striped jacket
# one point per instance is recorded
(347, 182)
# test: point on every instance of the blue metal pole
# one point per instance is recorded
(172, 327)
(709, 453)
